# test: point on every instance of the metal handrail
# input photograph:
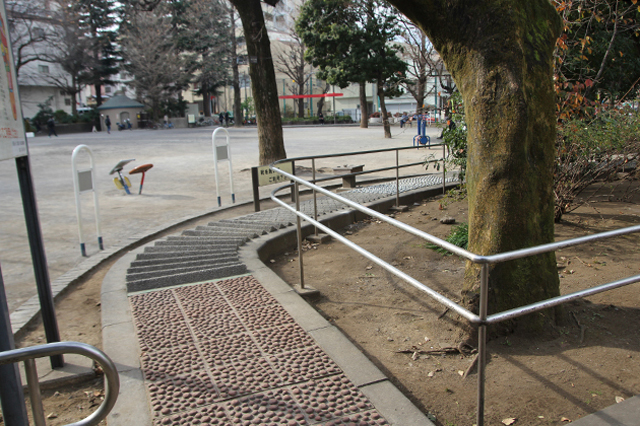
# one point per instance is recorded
(28, 356)
(482, 319)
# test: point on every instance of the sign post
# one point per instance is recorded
(84, 181)
(13, 145)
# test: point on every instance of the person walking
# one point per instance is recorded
(51, 125)
(107, 122)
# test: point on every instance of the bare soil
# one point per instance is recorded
(570, 371)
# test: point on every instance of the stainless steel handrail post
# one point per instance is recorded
(444, 172)
(482, 341)
(299, 233)
(397, 179)
(315, 201)
(34, 392)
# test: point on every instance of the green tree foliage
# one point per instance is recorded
(98, 20)
(201, 32)
(353, 42)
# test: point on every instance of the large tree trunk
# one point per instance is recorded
(364, 119)
(206, 102)
(500, 53)
(237, 101)
(383, 111)
(263, 81)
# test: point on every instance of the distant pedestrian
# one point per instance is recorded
(221, 118)
(321, 118)
(226, 118)
(51, 125)
(107, 122)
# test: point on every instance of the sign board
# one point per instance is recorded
(13, 143)
(266, 176)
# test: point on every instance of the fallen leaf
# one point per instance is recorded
(564, 419)
(619, 399)
(415, 356)
(369, 267)
(52, 416)
(460, 372)
(431, 374)
(509, 421)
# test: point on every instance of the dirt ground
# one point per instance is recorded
(569, 372)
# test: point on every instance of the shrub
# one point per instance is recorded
(459, 236)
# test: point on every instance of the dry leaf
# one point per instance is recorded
(619, 399)
(52, 416)
(509, 421)
(431, 374)
(564, 419)
(460, 372)
(415, 356)
(369, 267)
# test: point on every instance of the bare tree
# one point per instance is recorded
(153, 60)
(237, 100)
(291, 63)
(30, 26)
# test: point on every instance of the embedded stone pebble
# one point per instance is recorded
(173, 396)
(269, 408)
(304, 364)
(171, 362)
(202, 300)
(330, 398)
(224, 353)
(245, 377)
(216, 326)
(265, 317)
(228, 350)
(282, 339)
(246, 293)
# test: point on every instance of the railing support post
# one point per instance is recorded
(34, 392)
(482, 341)
(315, 200)
(444, 171)
(299, 233)
(397, 179)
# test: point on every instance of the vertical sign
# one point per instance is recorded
(12, 139)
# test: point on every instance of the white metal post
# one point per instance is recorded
(220, 153)
(88, 183)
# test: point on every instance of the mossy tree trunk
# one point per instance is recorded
(500, 53)
(263, 81)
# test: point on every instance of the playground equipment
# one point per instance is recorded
(122, 182)
(141, 169)
(421, 138)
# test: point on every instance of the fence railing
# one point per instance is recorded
(482, 319)
(28, 356)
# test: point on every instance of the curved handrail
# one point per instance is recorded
(59, 348)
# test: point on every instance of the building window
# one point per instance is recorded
(67, 101)
(44, 69)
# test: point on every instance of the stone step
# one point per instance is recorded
(209, 239)
(206, 242)
(149, 259)
(264, 223)
(179, 270)
(256, 227)
(213, 233)
(185, 278)
(167, 264)
(179, 250)
(230, 232)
